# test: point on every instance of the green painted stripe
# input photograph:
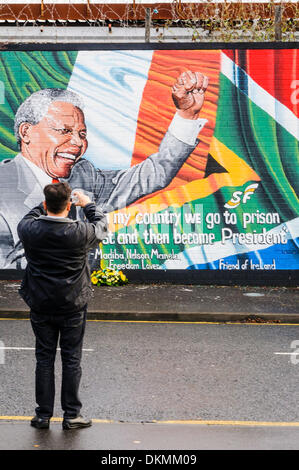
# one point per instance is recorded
(265, 145)
(22, 73)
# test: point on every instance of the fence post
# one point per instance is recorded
(277, 22)
(147, 24)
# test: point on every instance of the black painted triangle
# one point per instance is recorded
(213, 167)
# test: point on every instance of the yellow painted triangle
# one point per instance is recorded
(238, 171)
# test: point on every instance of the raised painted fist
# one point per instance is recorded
(188, 93)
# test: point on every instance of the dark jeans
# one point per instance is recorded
(47, 329)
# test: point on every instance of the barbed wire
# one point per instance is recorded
(226, 20)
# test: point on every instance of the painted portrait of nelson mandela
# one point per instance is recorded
(52, 136)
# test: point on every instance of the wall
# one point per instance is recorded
(225, 211)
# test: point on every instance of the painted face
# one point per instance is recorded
(58, 141)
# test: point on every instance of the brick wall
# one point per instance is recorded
(222, 208)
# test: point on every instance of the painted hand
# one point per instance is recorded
(188, 93)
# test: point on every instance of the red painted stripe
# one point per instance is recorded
(275, 70)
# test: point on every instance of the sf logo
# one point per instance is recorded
(240, 196)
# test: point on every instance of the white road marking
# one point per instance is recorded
(288, 353)
(17, 348)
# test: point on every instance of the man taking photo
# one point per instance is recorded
(51, 131)
(57, 287)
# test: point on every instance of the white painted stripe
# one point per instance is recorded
(287, 353)
(209, 253)
(278, 111)
(111, 84)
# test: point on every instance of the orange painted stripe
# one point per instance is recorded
(157, 109)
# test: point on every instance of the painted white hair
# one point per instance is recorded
(35, 107)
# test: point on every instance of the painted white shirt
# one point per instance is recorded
(42, 178)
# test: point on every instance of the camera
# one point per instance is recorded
(74, 198)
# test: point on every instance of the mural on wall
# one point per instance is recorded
(192, 153)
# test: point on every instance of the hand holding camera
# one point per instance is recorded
(79, 198)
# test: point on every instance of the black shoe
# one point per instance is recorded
(40, 423)
(75, 423)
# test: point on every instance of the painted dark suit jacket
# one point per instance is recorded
(20, 191)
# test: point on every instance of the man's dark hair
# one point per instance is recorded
(57, 196)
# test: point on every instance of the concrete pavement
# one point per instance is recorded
(18, 435)
(163, 302)
(170, 302)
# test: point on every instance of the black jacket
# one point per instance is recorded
(57, 276)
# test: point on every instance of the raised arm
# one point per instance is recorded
(97, 226)
(116, 189)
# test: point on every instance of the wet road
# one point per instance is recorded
(136, 376)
